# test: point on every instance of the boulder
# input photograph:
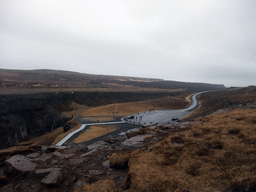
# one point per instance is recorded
(53, 177)
(44, 157)
(48, 170)
(21, 163)
(79, 184)
(63, 156)
(76, 161)
(88, 153)
(130, 132)
(110, 139)
(33, 155)
(106, 164)
(135, 142)
(99, 145)
(95, 172)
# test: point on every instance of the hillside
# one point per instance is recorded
(212, 153)
(65, 79)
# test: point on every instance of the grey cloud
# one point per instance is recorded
(202, 41)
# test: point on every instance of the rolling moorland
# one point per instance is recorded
(37, 98)
(211, 150)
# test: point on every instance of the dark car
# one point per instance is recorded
(174, 118)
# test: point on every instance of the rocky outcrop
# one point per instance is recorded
(65, 169)
(135, 142)
(110, 139)
(53, 177)
(21, 163)
(18, 126)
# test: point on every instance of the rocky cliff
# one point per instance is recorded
(25, 116)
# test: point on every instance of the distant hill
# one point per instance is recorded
(58, 78)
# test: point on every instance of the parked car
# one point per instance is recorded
(175, 118)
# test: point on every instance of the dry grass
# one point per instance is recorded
(215, 155)
(99, 119)
(118, 88)
(99, 186)
(124, 109)
(188, 98)
(141, 131)
(79, 109)
(74, 126)
(119, 160)
(94, 132)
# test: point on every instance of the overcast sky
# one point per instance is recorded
(212, 41)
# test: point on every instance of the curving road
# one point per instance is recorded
(65, 139)
(165, 116)
(149, 117)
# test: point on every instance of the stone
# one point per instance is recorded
(135, 142)
(88, 153)
(109, 172)
(7, 188)
(95, 172)
(148, 150)
(48, 170)
(61, 147)
(43, 157)
(21, 163)
(131, 131)
(52, 178)
(55, 161)
(79, 184)
(70, 180)
(33, 155)
(63, 156)
(161, 131)
(110, 139)
(106, 164)
(99, 145)
(76, 161)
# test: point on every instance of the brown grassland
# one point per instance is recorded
(94, 132)
(112, 88)
(100, 118)
(74, 126)
(216, 154)
(100, 186)
(124, 109)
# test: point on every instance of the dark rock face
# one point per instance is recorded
(22, 125)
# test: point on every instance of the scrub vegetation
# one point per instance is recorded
(216, 154)
(94, 132)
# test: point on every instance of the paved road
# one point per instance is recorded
(149, 117)
(61, 142)
(165, 116)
